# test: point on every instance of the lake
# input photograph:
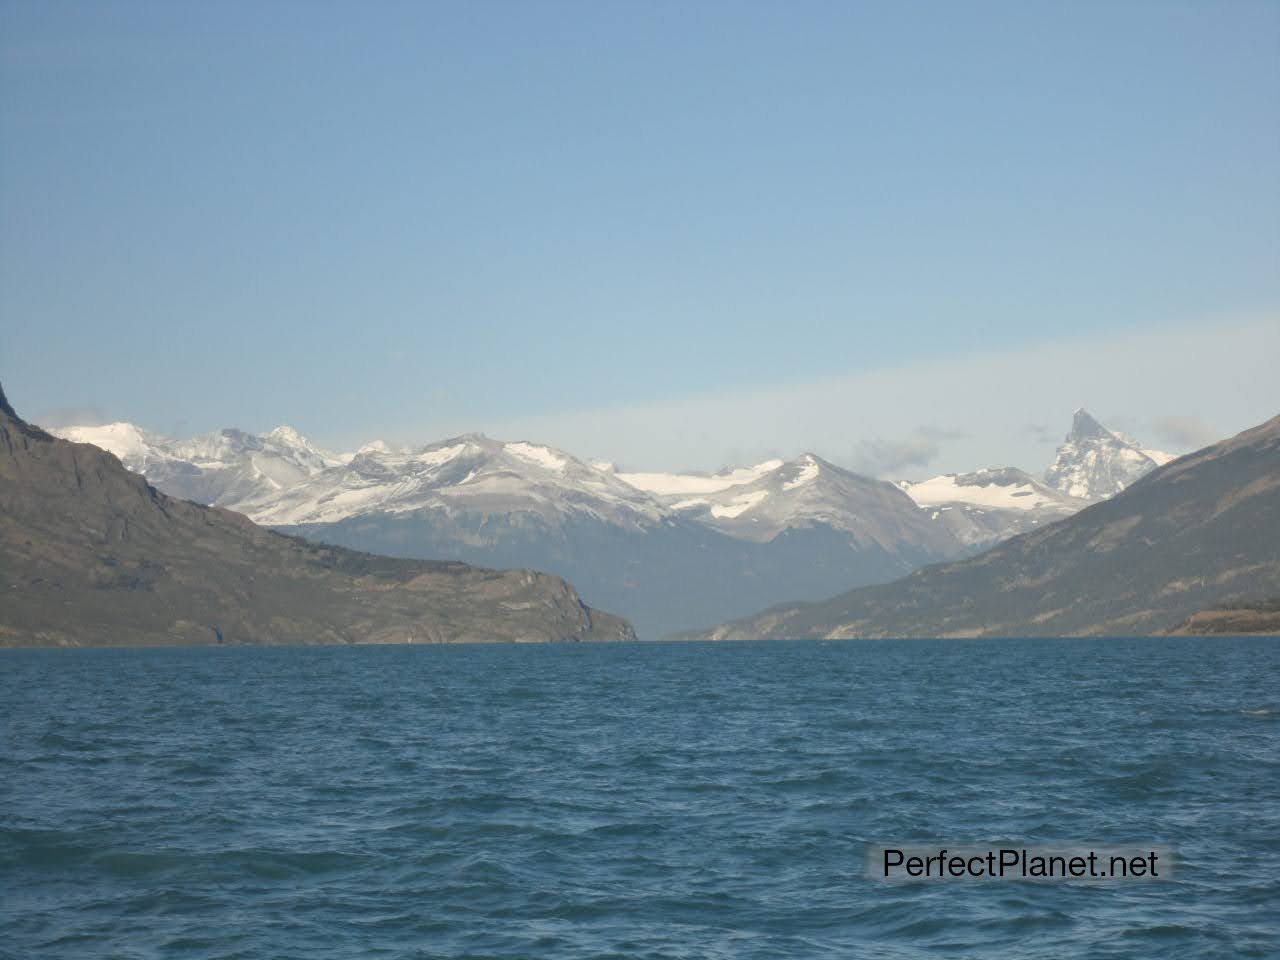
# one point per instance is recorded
(633, 801)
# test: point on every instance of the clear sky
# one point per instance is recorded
(665, 233)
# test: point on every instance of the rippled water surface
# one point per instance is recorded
(681, 800)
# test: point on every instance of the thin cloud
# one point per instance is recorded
(1042, 433)
(923, 446)
(1185, 432)
(1223, 369)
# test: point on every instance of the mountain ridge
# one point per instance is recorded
(1194, 533)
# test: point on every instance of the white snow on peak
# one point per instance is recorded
(540, 456)
(738, 505)
(604, 466)
(1094, 463)
(468, 474)
(440, 455)
(690, 503)
(226, 467)
(131, 445)
(298, 445)
(375, 446)
(679, 484)
(950, 488)
(287, 434)
(1159, 456)
(808, 473)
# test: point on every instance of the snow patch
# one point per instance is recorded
(441, 455)
(738, 505)
(946, 489)
(540, 456)
(286, 434)
(689, 504)
(675, 484)
(808, 473)
(125, 440)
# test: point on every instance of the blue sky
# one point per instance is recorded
(408, 220)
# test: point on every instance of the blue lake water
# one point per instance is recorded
(632, 801)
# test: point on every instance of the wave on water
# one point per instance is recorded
(673, 800)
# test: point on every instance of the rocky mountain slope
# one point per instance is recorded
(91, 554)
(1201, 531)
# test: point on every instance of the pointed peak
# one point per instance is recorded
(287, 434)
(809, 463)
(806, 471)
(1085, 427)
(4, 405)
(6, 410)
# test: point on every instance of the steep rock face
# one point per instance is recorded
(91, 554)
(1094, 463)
(1199, 532)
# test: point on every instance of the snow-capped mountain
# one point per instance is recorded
(758, 503)
(138, 449)
(1094, 463)
(668, 550)
(470, 474)
(986, 506)
(227, 468)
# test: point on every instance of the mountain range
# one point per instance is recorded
(521, 504)
(665, 549)
(92, 554)
(1191, 546)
